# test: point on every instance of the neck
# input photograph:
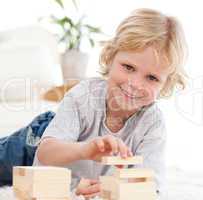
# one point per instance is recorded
(118, 113)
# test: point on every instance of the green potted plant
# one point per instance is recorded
(73, 32)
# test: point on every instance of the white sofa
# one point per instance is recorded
(15, 115)
(29, 65)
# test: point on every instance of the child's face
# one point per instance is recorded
(135, 79)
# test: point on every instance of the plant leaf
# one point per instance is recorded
(60, 3)
(62, 22)
(93, 29)
(91, 42)
(73, 32)
(75, 4)
(69, 21)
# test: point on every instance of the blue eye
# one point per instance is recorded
(153, 78)
(129, 67)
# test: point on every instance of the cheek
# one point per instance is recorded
(116, 75)
(153, 92)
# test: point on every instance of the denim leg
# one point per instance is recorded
(19, 148)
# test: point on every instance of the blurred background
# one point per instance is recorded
(23, 37)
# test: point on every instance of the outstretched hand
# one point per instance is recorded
(104, 146)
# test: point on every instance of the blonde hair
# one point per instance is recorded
(144, 28)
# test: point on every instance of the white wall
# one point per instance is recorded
(183, 113)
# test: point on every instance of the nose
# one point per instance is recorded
(136, 82)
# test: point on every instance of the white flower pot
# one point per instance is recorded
(74, 65)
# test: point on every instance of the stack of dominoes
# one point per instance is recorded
(41, 183)
(128, 184)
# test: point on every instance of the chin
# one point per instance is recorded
(128, 107)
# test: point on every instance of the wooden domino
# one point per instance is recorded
(133, 173)
(117, 160)
(130, 184)
(41, 183)
(132, 191)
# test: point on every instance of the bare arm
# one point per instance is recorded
(52, 151)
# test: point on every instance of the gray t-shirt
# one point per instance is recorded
(81, 117)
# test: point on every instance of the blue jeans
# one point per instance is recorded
(19, 148)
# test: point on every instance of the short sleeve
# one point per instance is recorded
(67, 123)
(152, 148)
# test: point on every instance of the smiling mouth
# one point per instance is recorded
(130, 95)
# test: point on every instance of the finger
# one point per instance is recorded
(89, 190)
(100, 144)
(129, 153)
(123, 149)
(92, 195)
(112, 143)
(84, 183)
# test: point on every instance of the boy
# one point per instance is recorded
(118, 114)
